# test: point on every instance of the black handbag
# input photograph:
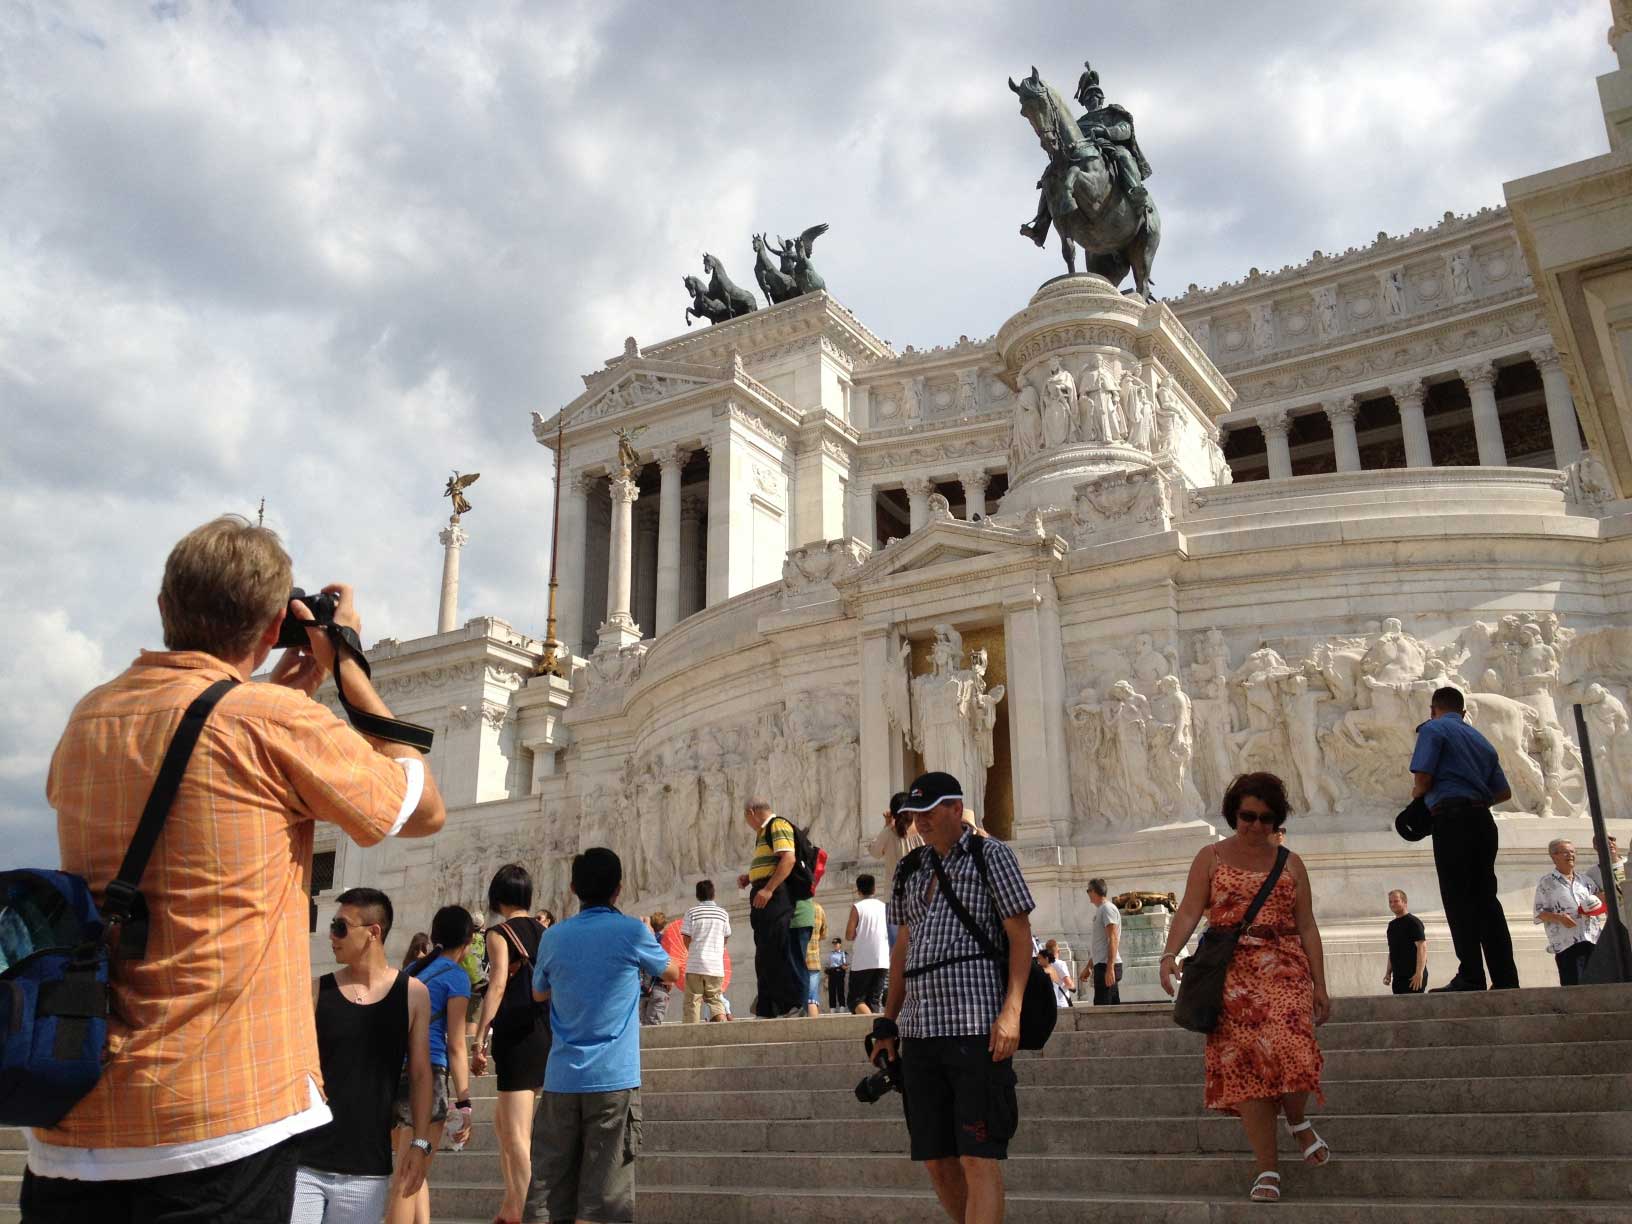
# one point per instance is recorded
(1200, 1001)
(1038, 1011)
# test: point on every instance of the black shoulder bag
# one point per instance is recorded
(1200, 1001)
(1038, 1011)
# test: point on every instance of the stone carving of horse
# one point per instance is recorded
(738, 300)
(1116, 235)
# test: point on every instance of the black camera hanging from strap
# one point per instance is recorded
(344, 640)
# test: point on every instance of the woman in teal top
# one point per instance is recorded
(449, 985)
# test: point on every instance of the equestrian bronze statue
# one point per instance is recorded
(1093, 190)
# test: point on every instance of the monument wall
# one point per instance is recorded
(1161, 629)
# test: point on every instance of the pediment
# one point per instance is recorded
(948, 543)
(632, 387)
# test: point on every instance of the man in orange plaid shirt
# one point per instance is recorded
(212, 1066)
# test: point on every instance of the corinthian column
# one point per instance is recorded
(691, 554)
(620, 628)
(974, 493)
(1413, 425)
(918, 492)
(1274, 426)
(1555, 383)
(670, 461)
(453, 538)
(1347, 447)
(569, 570)
(1480, 379)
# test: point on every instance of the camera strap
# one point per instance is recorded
(344, 639)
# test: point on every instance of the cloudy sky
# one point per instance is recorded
(320, 253)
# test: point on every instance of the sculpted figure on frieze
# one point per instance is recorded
(1169, 418)
(1172, 748)
(1059, 405)
(1026, 437)
(1099, 402)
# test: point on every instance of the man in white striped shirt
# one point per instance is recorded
(705, 928)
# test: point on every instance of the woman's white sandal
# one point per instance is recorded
(1318, 1148)
(1264, 1190)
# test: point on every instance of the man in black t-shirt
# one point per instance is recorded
(1407, 949)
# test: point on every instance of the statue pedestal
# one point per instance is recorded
(1076, 339)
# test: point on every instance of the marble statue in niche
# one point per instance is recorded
(1263, 326)
(953, 714)
(1169, 416)
(1394, 293)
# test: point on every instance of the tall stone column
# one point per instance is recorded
(569, 562)
(974, 493)
(620, 628)
(1340, 412)
(644, 603)
(691, 554)
(1555, 384)
(918, 492)
(1274, 426)
(880, 746)
(453, 539)
(1037, 744)
(670, 461)
(1408, 396)
(1480, 379)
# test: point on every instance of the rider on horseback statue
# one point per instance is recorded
(1110, 129)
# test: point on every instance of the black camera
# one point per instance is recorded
(322, 606)
(880, 1083)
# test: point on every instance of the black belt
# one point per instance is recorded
(1450, 807)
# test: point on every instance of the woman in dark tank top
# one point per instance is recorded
(513, 1029)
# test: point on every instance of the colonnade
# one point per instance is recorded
(653, 571)
(1478, 377)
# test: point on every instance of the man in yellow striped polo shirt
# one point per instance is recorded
(781, 991)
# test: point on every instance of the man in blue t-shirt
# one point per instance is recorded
(586, 1133)
(1455, 771)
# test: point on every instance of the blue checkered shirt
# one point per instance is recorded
(961, 999)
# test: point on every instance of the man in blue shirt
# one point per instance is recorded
(586, 1133)
(1456, 773)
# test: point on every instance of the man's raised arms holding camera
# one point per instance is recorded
(953, 1015)
(212, 1067)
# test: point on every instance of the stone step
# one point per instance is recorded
(1504, 1095)
(1552, 1058)
(1079, 1134)
(1363, 1035)
(718, 1205)
(1551, 1000)
(1226, 1176)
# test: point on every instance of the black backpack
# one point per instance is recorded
(809, 864)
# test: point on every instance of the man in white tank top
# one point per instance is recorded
(869, 950)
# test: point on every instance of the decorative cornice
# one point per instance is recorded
(811, 316)
(1383, 247)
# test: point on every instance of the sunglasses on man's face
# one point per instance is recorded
(340, 928)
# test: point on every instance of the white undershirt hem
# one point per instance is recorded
(130, 1164)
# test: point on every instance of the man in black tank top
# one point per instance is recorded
(370, 1017)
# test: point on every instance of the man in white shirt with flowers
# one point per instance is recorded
(1571, 911)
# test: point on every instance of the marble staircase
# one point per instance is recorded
(1446, 1109)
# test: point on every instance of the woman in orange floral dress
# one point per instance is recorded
(1262, 1059)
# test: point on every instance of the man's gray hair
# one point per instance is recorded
(1552, 846)
(756, 804)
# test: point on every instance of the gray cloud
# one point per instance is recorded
(321, 253)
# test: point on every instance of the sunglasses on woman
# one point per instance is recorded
(1267, 818)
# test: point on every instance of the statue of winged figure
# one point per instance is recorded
(628, 457)
(796, 259)
(457, 484)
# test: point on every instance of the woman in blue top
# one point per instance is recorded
(449, 984)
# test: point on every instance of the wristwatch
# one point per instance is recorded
(423, 1145)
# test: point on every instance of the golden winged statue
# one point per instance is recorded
(457, 484)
